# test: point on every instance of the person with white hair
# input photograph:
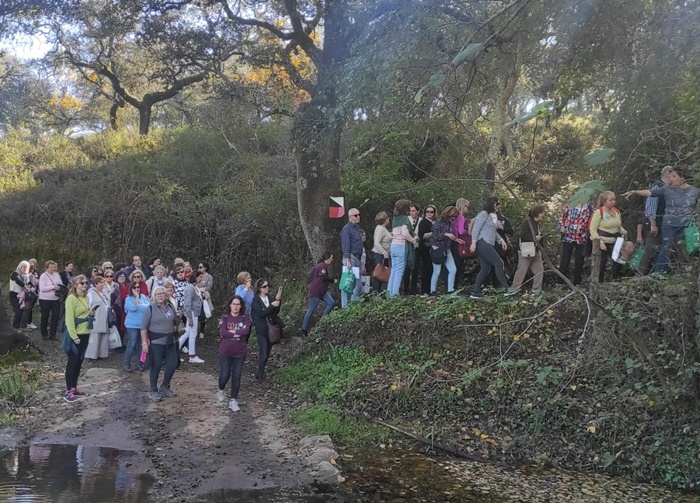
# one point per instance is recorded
(19, 281)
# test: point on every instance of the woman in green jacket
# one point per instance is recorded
(77, 313)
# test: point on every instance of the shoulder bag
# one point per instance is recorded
(527, 249)
(274, 332)
(439, 255)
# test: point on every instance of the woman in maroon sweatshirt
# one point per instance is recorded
(318, 290)
(234, 329)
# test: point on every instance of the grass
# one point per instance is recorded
(319, 420)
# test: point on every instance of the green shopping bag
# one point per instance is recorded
(692, 238)
(347, 282)
(636, 259)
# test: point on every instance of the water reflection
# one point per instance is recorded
(70, 474)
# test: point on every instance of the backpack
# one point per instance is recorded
(310, 274)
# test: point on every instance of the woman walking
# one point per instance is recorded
(134, 306)
(205, 283)
(606, 226)
(264, 311)
(402, 246)
(460, 229)
(530, 259)
(191, 308)
(78, 315)
(318, 290)
(234, 330)
(98, 346)
(441, 238)
(484, 238)
(158, 334)
(49, 285)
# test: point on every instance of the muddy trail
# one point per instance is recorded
(188, 448)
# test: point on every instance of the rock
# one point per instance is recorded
(322, 454)
(10, 438)
(98, 373)
(327, 472)
(315, 441)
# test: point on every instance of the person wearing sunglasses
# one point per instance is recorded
(138, 278)
(77, 317)
(265, 309)
(234, 330)
(425, 231)
(49, 285)
(352, 247)
(135, 305)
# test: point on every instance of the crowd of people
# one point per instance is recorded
(150, 313)
(154, 314)
(426, 247)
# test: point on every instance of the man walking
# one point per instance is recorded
(654, 209)
(351, 244)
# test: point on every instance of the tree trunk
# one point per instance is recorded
(145, 117)
(113, 114)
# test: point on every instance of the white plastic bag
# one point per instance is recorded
(617, 249)
(366, 282)
(114, 340)
(207, 308)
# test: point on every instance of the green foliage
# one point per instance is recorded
(318, 420)
(599, 156)
(329, 374)
(469, 51)
(586, 193)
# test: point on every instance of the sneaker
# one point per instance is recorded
(201, 335)
(303, 331)
(474, 295)
(220, 395)
(127, 368)
(69, 397)
(78, 392)
(185, 350)
(154, 396)
(511, 291)
(32, 326)
(233, 405)
(424, 296)
(167, 392)
(196, 359)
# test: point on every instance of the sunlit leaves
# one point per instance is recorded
(470, 51)
(435, 81)
(586, 193)
(541, 110)
(598, 156)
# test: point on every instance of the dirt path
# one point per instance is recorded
(191, 444)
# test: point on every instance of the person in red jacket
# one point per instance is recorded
(318, 290)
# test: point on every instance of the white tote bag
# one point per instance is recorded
(114, 340)
(207, 308)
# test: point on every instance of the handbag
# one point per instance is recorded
(692, 238)
(527, 249)
(635, 260)
(274, 332)
(207, 307)
(465, 249)
(111, 319)
(439, 255)
(381, 273)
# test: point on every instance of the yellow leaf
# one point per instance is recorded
(484, 436)
(460, 316)
(550, 312)
(516, 337)
(453, 389)
(651, 403)
(333, 461)
(476, 431)
(471, 317)
(394, 387)
(591, 429)
(573, 387)
(489, 332)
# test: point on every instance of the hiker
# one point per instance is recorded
(245, 289)
(205, 284)
(352, 247)
(30, 296)
(78, 314)
(382, 246)
(67, 274)
(234, 330)
(19, 281)
(180, 284)
(425, 229)
(574, 223)
(484, 238)
(98, 345)
(606, 225)
(652, 223)
(191, 308)
(134, 306)
(410, 275)
(318, 290)
(265, 309)
(159, 324)
(402, 246)
(460, 229)
(49, 285)
(530, 256)
(441, 240)
(158, 279)
(680, 199)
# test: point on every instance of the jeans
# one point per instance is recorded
(451, 273)
(133, 345)
(345, 297)
(190, 336)
(49, 309)
(163, 353)
(398, 265)
(14, 302)
(313, 305)
(75, 361)
(488, 260)
(264, 350)
(567, 249)
(670, 235)
(233, 368)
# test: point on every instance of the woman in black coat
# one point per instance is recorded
(264, 309)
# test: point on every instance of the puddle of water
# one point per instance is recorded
(71, 474)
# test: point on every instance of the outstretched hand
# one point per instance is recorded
(628, 194)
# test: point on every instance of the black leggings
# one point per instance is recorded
(52, 309)
(426, 269)
(14, 302)
(163, 353)
(233, 368)
(488, 260)
(75, 361)
(264, 350)
(616, 268)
